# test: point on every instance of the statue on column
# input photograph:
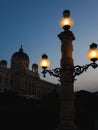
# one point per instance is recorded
(66, 38)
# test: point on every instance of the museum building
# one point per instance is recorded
(20, 79)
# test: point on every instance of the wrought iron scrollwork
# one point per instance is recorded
(77, 70)
(54, 72)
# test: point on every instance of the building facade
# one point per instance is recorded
(20, 79)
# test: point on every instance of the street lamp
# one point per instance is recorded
(93, 52)
(44, 62)
(92, 55)
(66, 21)
(67, 71)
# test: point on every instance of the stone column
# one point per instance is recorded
(67, 112)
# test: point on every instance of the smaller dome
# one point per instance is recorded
(35, 68)
(3, 64)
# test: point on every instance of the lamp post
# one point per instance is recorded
(67, 114)
(67, 72)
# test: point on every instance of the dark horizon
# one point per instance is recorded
(30, 113)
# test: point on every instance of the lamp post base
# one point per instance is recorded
(67, 110)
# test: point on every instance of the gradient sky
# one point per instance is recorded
(34, 24)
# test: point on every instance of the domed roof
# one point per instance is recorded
(3, 64)
(20, 55)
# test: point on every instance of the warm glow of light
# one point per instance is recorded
(93, 53)
(66, 21)
(44, 63)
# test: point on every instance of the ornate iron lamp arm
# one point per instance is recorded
(54, 72)
(77, 70)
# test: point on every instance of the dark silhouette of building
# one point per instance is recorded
(27, 101)
(19, 78)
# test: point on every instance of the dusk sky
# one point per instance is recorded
(34, 24)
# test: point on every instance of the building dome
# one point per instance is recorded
(20, 60)
(3, 64)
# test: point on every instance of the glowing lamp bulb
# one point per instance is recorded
(44, 62)
(66, 21)
(93, 52)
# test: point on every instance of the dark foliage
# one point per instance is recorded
(86, 109)
(20, 113)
